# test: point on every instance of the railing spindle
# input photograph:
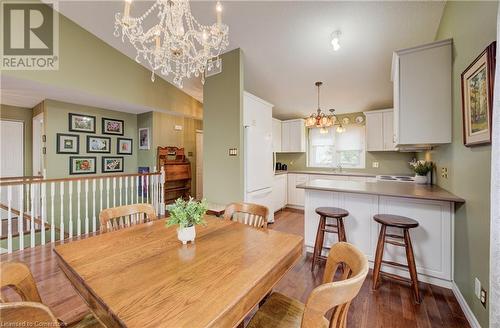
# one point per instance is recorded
(114, 192)
(147, 189)
(52, 219)
(32, 222)
(70, 223)
(126, 190)
(142, 188)
(78, 218)
(9, 219)
(93, 204)
(61, 222)
(43, 213)
(107, 193)
(87, 206)
(162, 192)
(20, 223)
(120, 189)
(131, 190)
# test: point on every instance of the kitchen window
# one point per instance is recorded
(333, 149)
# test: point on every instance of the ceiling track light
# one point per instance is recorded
(336, 40)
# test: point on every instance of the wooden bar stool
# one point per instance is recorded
(328, 212)
(388, 220)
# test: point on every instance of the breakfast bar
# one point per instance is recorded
(430, 205)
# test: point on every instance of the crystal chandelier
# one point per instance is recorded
(176, 43)
(322, 120)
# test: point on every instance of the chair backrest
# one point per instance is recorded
(116, 218)
(250, 214)
(17, 276)
(336, 295)
(26, 314)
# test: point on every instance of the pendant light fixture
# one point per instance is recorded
(321, 120)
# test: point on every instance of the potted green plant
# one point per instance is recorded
(421, 169)
(187, 214)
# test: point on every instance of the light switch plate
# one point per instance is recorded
(477, 288)
(375, 165)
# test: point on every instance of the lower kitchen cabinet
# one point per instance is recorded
(279, 192)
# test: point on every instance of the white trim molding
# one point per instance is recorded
(465, 307)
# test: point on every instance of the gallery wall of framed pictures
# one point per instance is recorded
(110, 143)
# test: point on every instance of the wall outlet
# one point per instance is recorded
(233, 151)
(178, 127)
(477, 288)
(444, 172)
(375, 165)
(482, 298)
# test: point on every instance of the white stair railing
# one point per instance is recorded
(52, 209)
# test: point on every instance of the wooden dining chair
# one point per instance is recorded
(280, 311)
(116, 218)
(250, 214)
(17, 277)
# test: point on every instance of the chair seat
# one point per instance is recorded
(280, 311)
(89, 321)
(397, 221)
(332, 212)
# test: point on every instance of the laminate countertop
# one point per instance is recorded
(348, 174)
(383, 188)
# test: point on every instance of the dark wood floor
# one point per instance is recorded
(390, 306)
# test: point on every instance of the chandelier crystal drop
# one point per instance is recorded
(174, 42)
(321, 120)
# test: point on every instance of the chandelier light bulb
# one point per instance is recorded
(336, 40)
(218, 7)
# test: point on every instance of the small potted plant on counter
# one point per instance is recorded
(187, 214)
(421, 169)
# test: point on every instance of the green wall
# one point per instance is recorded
(56, 121)
(223, 129)
(91, 66)
(24, 115)
(472, 25)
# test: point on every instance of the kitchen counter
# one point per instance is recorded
(384, 188)
(349, 174)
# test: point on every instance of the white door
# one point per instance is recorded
(199, 164)
(12, 143)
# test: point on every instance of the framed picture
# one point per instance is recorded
(142, 189)
(82, 165)
(81, 123)
(97, 144)
(124, 146)
(112, 164)
(67, 143)
(477, 98)
(144, 142)
(111, 126)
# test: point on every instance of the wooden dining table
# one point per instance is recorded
(143, 276)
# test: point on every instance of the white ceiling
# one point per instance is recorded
(287, 46)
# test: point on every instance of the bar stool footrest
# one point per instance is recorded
(395, 264)
(396, 277)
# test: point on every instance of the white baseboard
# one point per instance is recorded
(465, 307)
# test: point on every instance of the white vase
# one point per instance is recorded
(186, 234)
(420, 179)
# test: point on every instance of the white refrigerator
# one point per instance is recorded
(258, 157)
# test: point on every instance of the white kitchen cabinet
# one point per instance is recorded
(279, 192)
(276, 135)
(380, 130)
(296, 195)
(423, 95)
(293, 136)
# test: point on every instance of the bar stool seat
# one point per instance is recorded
(402, 222)
(323, 226)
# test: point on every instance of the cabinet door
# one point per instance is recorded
(374, 132)
(388, 123)
(283, 191)
(296, 195)
(285, 137)
(276, 135)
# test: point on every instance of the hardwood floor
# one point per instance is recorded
(390, 306)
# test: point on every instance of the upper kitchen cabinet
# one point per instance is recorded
(276, 135)
(422, 95)
(380, 130)
(293, 136)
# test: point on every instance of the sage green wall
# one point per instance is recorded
(472, 25)
(56, 121)
(163, 134)
(24, 115)
(223, 129)
(389, 162)
(91, 66)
